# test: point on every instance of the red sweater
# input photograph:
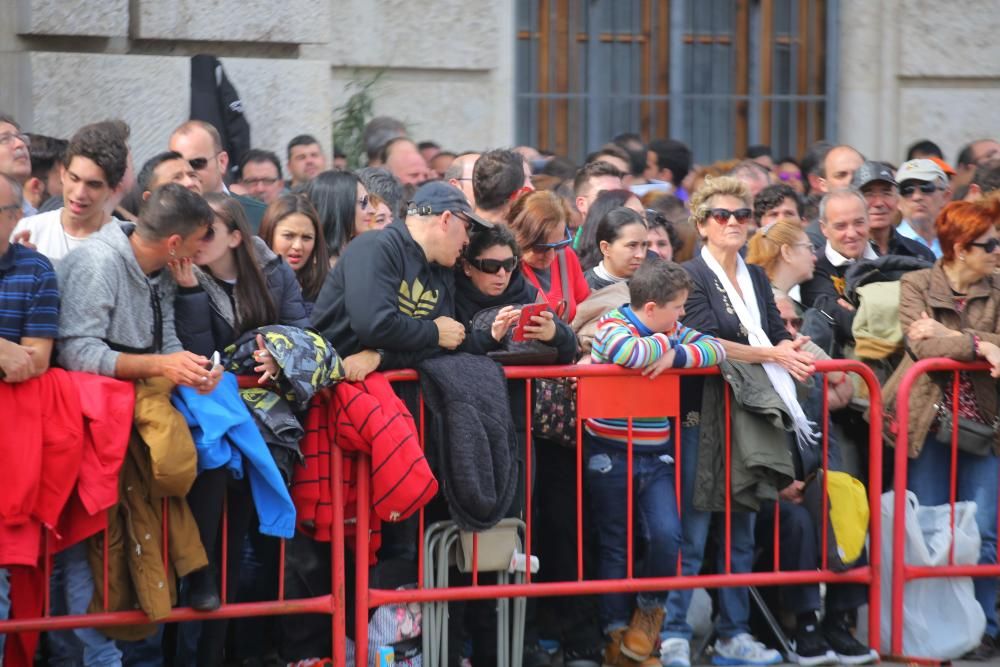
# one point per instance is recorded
(363, 417)
(578, 290)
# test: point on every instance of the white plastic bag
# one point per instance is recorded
(942, 618)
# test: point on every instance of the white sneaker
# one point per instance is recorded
(743, 649)
(675, 652)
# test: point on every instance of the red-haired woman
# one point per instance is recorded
(953, 310)
(538, 221)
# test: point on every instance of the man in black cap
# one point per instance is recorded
(389, 302)
(876, 182)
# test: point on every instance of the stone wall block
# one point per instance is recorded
(957, 38)
(150, 93)
(288, 21)
(93, 18)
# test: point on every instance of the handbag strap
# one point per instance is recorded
(563, 311)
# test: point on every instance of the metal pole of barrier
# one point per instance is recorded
(579, 490)
(527, 481)
(825, 465)
(629, 509)
(953, 475)
(361, 540)
(901, 572)
(338, 581)
(729, 480)
(224, 585)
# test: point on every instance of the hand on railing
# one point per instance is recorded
(790, 356)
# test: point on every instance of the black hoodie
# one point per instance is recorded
(383, 294)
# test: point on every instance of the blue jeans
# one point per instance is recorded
(72, 587)
(4, 604)
(928, 477)
(734, 603)
(655, 509)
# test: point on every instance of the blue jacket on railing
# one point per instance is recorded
(225, 435)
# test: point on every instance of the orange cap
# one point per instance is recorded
(947, 168)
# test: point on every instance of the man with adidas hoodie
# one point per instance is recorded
(389, 302)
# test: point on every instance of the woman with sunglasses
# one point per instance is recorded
(952, 310)
(622, 245)
(344, 208)
(291, 229)
(538, 221)
(234, 284)
(488, 278)
(733, 302)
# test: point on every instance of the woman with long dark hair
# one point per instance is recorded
(622, 242)
(291, 229)
(234, 284)
(344, 208)
(606, 201)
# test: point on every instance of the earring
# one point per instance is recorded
(962, 257)
(173, 253)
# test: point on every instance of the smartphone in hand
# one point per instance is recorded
(527, 312)
(214, 361)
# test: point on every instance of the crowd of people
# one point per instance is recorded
(301, 275)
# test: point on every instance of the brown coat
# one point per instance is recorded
(928, 291)
(159, 469)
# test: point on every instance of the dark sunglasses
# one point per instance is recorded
(722, 215)
(795, 322)
(926, 188)
(790, 176)
(494, 265)
(989, 246)
(545, 247)
(199, 163)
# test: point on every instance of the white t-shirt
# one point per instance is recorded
(48, 235)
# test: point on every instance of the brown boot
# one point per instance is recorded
(613, 656)
(642, 636)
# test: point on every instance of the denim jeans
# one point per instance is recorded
(734, 603)
(928, 477)
(4, 605)
(72, 588)
(658, 525)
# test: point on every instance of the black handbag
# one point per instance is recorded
(973, 437)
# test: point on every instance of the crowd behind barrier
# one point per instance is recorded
(484, 408)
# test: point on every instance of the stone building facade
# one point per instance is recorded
(907, 69)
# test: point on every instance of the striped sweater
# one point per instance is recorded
(624, 340)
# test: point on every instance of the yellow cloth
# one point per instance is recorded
(849, 514)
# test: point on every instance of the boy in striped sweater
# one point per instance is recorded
(645, 334)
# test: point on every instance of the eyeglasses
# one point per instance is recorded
(989, 246)
(654, 217)
(10, 207)
(794, 322)
(722, 215)
(200, 163)
(790, 176)
(494, 265)
(926, 188)
(251, 182)
(8, 137)
(545, 247)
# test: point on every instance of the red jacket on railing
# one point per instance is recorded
(361, 417)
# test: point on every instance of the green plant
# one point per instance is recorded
(353, 115)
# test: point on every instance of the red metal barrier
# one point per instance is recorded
(606, 390)
(901, 572)
(334, 604)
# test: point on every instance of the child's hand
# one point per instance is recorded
(505, 319)
(663, 363)
(543, 329)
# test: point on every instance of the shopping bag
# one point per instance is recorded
(941, 617)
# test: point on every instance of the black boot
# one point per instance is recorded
(203, 592)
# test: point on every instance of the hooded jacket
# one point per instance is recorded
(383, 294)
(109, 305)
(204, 335)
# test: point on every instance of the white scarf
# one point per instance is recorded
(750, 317)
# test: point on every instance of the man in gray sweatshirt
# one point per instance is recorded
(117, 315)
(117, 320)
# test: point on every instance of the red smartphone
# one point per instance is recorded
(527, 312)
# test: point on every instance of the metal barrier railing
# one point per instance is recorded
(601, 390)
(605, 390)
(901, 571)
